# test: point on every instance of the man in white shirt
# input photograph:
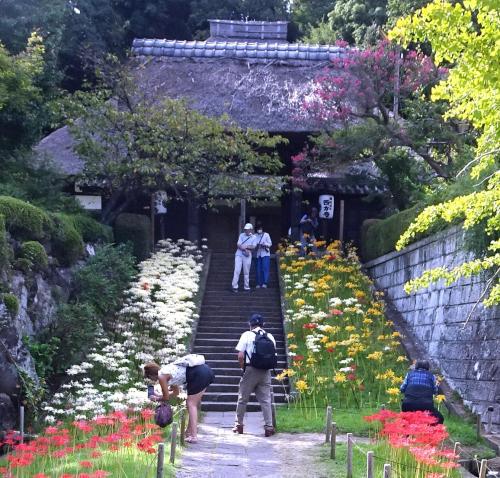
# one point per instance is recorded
(243, 257)
(254, 380)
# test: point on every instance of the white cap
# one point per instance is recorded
(248, 226)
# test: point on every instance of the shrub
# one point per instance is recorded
(91, 230)
(66, 240)
(24, 219)
(35, 253)
(23, 265)
(11, 303)
(134, 228)
(103, 279)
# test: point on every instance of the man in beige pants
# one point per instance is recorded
(254, 380)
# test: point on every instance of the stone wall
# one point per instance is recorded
(467, 352)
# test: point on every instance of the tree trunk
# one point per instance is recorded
(193, 220)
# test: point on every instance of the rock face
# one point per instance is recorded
(467, 349)
(38, 298)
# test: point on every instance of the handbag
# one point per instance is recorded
(190, 360)
(163, 415)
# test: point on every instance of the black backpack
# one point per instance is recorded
(264, 352)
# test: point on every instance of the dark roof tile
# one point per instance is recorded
(211, 49)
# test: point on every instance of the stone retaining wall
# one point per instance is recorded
(467, 354)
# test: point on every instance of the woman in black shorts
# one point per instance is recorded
(171, 377)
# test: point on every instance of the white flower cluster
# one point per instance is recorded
(155, 323)
(312, 343)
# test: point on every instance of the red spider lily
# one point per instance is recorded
(435, 475)
(330, 350)
(351, 377)
(310, 326)
(83, 426)
(298, 358)
(100, 474)
(51, 430)
(336, 312)
(381, 416)
(96, 454)
(86, 464)
(41, 475)
(147, 413)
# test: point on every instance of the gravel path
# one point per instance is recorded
(222, 454)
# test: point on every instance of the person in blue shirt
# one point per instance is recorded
(263, 245)
(419, 388)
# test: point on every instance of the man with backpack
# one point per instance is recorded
(257, 357)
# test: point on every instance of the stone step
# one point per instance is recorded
(214, 357)
(229, 397)
(207, 406)
(235, 380)
(242, 317)
(230, 364)
(226, 342)
(233, 388)
(231, 335)
(207, 349)
(238, 328)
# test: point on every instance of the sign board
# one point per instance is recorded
(326, 206)
(90, 203)
(160, 202)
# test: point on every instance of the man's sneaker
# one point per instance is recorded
(264, 286)
(258, 286)
(235, 290)
(269, 431)
(247, 290)
(238, 429)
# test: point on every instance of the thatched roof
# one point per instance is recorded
(259, 85)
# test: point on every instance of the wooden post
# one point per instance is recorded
(382, 407)
(21, 423)
(152, 206)
(341, 220)
(183, 427)
(173, 442)
(273, 409)
(387, 471)
(369, 464)
(328, 423)
(349, 455)
(161, 459)
(478, 426)
(489, 426)
(333, 441)
(482, 470)
(455, 448)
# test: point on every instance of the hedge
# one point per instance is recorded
(379, 236)
(136, 229)
(11, 303)
(24, 219)
(91, 230)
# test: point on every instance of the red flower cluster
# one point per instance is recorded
(420, 435)
(310, 325)
(106, 433)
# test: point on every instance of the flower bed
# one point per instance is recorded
(343, 351)
(155, 323)
(117, 444)
(413, 444)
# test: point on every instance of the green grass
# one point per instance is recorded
(338, 467)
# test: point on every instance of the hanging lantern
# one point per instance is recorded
(326, 205)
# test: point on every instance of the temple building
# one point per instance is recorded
(248, 71)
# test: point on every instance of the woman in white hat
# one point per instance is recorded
(243, 257)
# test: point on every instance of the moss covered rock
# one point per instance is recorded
(35, 253)
(136, 229)
(92, 230)
(4, 246)
(24, 219)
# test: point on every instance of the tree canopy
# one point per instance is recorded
(465, 35)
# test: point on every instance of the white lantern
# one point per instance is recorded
(326, 205)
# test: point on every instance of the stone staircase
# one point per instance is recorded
(223, 319)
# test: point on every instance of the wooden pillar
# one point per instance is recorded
(341, 220)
